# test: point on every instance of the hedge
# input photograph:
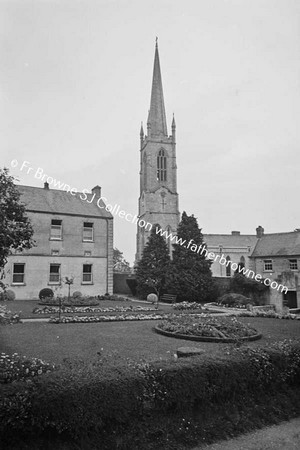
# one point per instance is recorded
(144, 404)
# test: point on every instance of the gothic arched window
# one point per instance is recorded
(161, 166)
(228, 267)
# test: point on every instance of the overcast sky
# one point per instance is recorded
(75, 85)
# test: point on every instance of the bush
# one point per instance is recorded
(7, 295)
(141, 405)
(234, 300)
(77, 294)
(46, 293)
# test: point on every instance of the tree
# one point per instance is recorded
(120, 263)
(151, 270)
(15, 228)
(190, 276)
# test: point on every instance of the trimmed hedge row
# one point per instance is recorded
(95, 401)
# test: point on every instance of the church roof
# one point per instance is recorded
(278, 244)
(230, 240)
(55, 201)
(157, 115)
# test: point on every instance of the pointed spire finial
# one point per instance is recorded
(173, 122)
(142, 130)
(157, 116)
(156, 42)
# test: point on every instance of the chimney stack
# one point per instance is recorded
(46, 185)
(97, 190)
(259, 231)
(235, 233)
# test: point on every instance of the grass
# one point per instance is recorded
(135, 340)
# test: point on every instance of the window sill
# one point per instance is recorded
(85, 240)
(55, 239)
(86, 282)
(54, 283)
(18, 284)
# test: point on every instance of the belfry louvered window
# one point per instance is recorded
(161, 166)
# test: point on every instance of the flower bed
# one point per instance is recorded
(188, 305)
(206, 329)
(119, 318)
(20, 368)
(7, 317)
(90, 309)
(268, 314)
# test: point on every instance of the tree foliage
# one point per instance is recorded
(190, 276)
(151, 270)
(15, 228)
(120, 263)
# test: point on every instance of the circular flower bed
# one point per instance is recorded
(206, 329)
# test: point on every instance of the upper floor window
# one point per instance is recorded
(18, 273)
(293, 264)
(268, 265)
(87, 273)
(228, 267)
(161, 166)
(54, 276)
(88, 231)
(56, 229)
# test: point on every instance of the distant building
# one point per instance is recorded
(74, 238)
(158, 201)
(235, 247)
(277, 257)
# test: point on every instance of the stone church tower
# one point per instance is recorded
(158, 201)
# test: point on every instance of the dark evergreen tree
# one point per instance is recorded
(15, 228)
(190, 276)
(151, 270)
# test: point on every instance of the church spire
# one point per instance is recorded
(157, 116)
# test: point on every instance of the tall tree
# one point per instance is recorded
(190, 276)
(15, 228)
(120, 263)
(151, 270)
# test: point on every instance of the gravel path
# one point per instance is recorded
(285, 436)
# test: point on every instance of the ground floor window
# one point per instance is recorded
(18, 273)
(54, 276)
(87, 273)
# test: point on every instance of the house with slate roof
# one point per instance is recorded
(235, 247)
(74, 238)
(277, 256)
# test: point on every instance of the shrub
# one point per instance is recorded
(234, 300)
(77, 294)
(66, 301)
(46, 293)
(139, 405)
(7, 295)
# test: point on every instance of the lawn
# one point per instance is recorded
(135, 340)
